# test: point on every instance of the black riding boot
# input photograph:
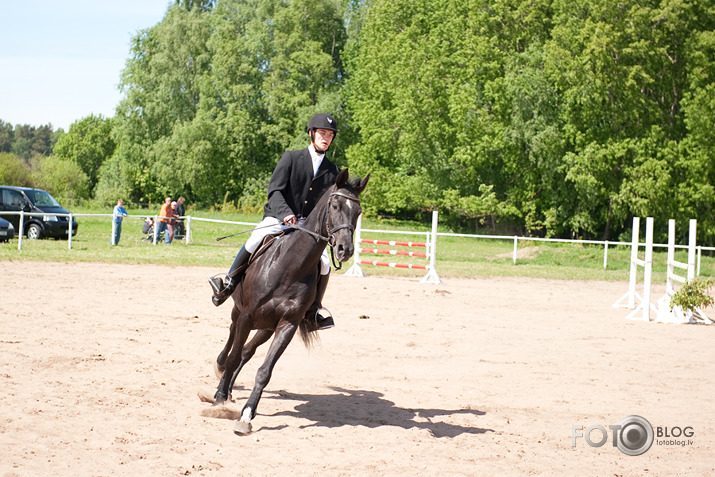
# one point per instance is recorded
(323, 323)
(224, 288)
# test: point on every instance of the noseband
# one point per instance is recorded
(332, 230)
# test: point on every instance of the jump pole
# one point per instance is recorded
(355, 270)
(676, 315)
(645, 305)
(432, 276)
(631, 294)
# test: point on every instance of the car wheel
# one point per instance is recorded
(34, 232)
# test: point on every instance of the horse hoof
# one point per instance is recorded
(242, 428)
(221, 399)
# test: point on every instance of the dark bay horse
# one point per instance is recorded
(279, 287)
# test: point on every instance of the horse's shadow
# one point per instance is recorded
(369, 408)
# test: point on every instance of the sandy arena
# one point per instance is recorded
(101, 366)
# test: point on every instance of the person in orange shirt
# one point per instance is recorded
(165, 214)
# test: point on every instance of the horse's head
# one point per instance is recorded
(342, 212)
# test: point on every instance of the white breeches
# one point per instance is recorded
(271, 225)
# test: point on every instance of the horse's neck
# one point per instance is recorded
(307, 243)
(315, 222)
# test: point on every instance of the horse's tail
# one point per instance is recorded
(308, 334)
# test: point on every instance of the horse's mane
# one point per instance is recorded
(351, 185)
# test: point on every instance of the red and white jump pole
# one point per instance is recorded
(430, 247)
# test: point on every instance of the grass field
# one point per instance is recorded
(456, 256)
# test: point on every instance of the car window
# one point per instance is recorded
(12, 199)
(43, 199)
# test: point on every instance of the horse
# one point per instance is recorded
(279, 287)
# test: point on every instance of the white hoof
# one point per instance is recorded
(242, 428)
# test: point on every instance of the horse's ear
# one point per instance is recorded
(342, 178)
(363, 184)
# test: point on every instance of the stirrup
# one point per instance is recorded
(324, 322)
(221, 294)
(216, 283)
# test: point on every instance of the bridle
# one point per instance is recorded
(331, 230)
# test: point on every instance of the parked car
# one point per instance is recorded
(35, 201)
(7, 230)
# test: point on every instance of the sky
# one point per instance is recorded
(60, 61)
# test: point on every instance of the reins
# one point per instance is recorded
(331, 230)
(330, 239)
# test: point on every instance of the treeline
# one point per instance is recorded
(26, 141)
(546, 117)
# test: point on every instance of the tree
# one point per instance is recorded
(7, 136)
(14, 170)
(60, 177)
(214, 96)
(426, 88)
(89, 143)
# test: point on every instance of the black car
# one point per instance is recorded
(42, 206)
(7, 230)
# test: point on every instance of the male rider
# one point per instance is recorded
(297, 182)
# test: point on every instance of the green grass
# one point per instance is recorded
(456, 256)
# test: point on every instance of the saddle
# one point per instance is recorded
(262, 248)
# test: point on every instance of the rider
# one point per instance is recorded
(297, 182)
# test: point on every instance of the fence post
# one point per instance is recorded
(20, 230)
(69, 232)
(156, 228)
(188, 229)
(516, 239)
(605, 255)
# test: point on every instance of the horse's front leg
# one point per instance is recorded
(284, 335)
(241, 332)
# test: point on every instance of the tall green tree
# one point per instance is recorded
(214, 96)
(89, 143)
(427, 90)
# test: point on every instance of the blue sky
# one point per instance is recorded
(60, 61)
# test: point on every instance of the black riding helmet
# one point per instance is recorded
(322, 121)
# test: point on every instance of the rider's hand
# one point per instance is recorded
(290, 220)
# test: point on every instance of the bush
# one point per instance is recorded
(693, 294)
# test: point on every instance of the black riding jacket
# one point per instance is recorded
(293, 189)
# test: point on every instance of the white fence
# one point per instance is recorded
(431, 235)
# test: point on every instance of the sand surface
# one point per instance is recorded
(102, 365)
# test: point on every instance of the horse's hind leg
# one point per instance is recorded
(249, 350)
(221, 359)
(284, 334)
(242, 327)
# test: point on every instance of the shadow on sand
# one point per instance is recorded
(348, 407)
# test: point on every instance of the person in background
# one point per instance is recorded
(117, 216)
(180, 212)
(148, 228)
(171, 225)
(163, 221)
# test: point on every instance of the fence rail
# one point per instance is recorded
(430, 236)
